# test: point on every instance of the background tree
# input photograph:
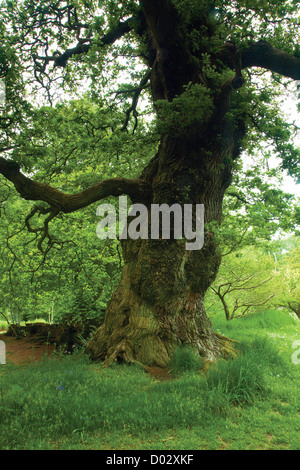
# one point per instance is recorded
(245, 282)
(198, 63)
(289, 278)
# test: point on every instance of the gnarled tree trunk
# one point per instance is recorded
(158, 306)
(159, 303)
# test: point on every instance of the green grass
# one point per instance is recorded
(251, 402)
(184, 360)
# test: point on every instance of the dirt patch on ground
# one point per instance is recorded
(160, 374)
(25, 350)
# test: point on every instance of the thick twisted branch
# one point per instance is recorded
(35, 191)
(262, 54)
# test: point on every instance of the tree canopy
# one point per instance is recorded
(101, 49)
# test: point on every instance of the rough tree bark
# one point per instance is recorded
(159, 303)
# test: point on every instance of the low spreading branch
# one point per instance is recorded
(66, 203)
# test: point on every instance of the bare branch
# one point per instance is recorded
(240, 198)
(132, 109)
(84, 45)
(44, 230)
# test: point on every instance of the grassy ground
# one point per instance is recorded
(251, 402)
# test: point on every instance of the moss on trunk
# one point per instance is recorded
(155, 308)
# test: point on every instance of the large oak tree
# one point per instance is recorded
(201, 61)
